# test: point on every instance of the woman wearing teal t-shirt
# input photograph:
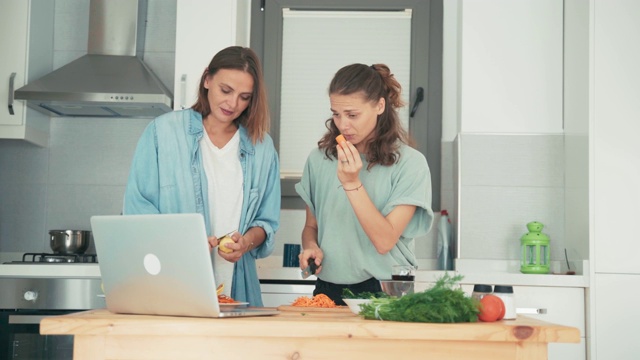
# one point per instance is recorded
(368, 196)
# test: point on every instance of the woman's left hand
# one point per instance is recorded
(238, 247)
(349, 165)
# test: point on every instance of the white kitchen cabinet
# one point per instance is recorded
(510, 66)
(561, 305)
(203, 28)
(616, 315)
(615, 145)
(26, 38)
(614, 177)
(274, 295)
(564, 306)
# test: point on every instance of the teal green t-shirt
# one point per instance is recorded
(349, 255)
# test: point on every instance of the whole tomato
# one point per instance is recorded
(491, 308)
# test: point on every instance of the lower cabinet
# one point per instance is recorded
(276, 294)
(558, 305)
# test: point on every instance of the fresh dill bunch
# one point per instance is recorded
(443, 303)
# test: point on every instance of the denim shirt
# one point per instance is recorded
(167, 176)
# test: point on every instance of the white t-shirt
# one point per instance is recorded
(224, 183)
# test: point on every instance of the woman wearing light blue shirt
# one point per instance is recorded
(216, 159)
(368, 196)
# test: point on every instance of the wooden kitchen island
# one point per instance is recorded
(99, 334)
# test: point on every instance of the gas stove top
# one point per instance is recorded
(45, 258)
(44, 265)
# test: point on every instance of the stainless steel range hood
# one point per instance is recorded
(111, 80)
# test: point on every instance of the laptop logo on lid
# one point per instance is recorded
(152, 264)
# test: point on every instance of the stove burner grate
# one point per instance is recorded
(58, 258)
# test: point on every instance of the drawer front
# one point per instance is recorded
(558, 305)
(564, 306)
(274, 295)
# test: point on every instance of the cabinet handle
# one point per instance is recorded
(530, 311)
(419, 98)
(10, 106)
(183, 90)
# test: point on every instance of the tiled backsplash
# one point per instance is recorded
(83, 173)
(506, 182)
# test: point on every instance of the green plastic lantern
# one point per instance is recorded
(535, 257)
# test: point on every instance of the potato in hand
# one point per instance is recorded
(223, 242)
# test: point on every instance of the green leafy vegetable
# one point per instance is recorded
(440, 304)
(348, 294)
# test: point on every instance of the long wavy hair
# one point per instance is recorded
(373, 82)
(256, 116)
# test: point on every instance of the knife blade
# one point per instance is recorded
(309, 270)
(229, 234)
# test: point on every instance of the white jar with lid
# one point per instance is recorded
(505, 292)
(480, 290)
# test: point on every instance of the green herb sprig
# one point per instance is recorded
(440, 304)
(348, 294)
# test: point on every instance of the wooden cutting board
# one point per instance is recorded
(308, 309)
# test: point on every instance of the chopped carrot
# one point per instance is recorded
(320, 300)
(224, 299)
(340, 139)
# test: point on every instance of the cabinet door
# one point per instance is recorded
(616, 316)
(561, 305)
(510, 66)
(564, 306)
(202, 29)
(14, 35)
(615, 146)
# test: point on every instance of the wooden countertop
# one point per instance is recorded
(107, 335)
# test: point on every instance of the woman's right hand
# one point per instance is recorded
(213, 242)
(312, 254)
(349, 165)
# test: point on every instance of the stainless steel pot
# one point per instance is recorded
(69, 242)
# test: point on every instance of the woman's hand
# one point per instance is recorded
(213, 242)
(349, 165)
(313, 254)
(238, 247)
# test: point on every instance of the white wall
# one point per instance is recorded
(32, 194)
(84, 170)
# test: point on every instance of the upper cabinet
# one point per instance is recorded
(510, 66)
(614, 145)
(22, 60)
(202, 29)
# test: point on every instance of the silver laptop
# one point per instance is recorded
(160, 265)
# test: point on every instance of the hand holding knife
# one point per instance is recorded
(309, 270)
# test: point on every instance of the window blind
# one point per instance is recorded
(316, 44)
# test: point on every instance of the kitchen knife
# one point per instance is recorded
(225, 235)
(310, 270)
